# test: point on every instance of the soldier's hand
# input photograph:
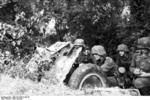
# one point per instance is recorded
(137, 71)
(144, 74)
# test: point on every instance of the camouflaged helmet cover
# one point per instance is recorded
(79, 42)
(144, 42)
(122, 47)
(98, 49)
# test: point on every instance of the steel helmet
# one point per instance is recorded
(122, 47)
(144, 42)
(79, 42)
(98, 49)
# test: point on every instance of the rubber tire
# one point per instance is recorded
(82, 71)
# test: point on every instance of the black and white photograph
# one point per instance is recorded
(74, 48)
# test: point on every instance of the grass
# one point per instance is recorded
(17, 86)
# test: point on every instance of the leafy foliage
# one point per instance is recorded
(96, 21)
(28, 24)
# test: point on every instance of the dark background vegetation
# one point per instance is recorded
(96, 21)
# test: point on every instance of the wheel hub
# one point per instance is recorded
(90, 82)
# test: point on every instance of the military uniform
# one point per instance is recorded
(141, 65)
(123, 62)
(84, 56)
(109, 66)
(144, 65)
(98, 52)
(126, 77)
(106, 65)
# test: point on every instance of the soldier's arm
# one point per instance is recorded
(144, 74)
(133, 64)
(108, 65)
(114, 67)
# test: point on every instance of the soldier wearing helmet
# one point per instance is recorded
(106, 64)
(99, 54)
(122, 47)
(100, 58)
(140, 66)
(79, 42)
(123, 56)
(123, 60)
(84, 56)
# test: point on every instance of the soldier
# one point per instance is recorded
(99, 54)
(123, 57)
(106, 64)
(140, 66)
(84, 56)
(79, 43)
(123, 60)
